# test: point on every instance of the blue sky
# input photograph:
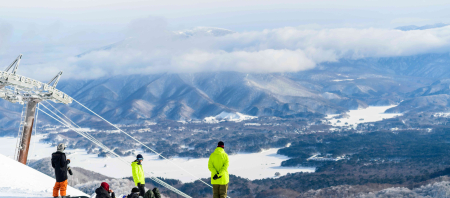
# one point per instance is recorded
(283, 34)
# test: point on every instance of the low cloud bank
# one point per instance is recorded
(152, 48)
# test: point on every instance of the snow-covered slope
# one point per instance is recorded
(18, 180)
(226, 116)
(136, 98)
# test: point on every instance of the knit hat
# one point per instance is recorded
(139, 157)
(61, 147)
(134, 190)
(105, 186)
(221, 144)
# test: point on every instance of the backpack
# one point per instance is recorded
(149, 194)
(153, 193)
(156, 192)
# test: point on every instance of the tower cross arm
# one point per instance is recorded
(55, 79)
(15, 63)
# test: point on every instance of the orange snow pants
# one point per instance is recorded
(60, 186)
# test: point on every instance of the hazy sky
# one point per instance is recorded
(270, 35)
(238, 15)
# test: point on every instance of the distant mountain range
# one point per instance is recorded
(328, 89)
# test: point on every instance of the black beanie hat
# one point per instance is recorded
(221, 144)
(139, 157)
(135, 189)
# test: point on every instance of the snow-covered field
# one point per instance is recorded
(251, 166)
(226, 116)
(369, 114)
(18, 180)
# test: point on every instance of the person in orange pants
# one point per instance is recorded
(59, 163)
(60, 187)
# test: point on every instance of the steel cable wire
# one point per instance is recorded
(98, 143)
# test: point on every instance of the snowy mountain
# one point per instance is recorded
(135, 98)
(438, 87)
(329, 88)
(19, 180)
(434, 66)
(432, 98)
(226, 116)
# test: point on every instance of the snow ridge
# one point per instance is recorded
(227, 116)
(19, 180)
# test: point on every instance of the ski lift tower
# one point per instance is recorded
(28, 92)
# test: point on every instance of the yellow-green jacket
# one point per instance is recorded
(218, 164)
(138, 173)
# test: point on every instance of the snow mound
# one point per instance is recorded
(226, 116)
(18, 180)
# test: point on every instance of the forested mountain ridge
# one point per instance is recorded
(329, 88)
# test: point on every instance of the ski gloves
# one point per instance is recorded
(69, 170)
(216, 177)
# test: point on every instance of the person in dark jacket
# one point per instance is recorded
(59, 163)
(134, 193)
(103, 191)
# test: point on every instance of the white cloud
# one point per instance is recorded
(152, 48)
(263, 61)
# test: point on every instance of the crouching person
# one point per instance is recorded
(134, 193)
(104, 191)
(59, 163)
(218, 165)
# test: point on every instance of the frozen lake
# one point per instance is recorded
(369, 114)
(247, 165)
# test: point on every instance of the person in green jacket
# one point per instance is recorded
(218, 165)
(138, 174)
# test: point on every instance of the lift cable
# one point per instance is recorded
(96, 142)
(197, 178)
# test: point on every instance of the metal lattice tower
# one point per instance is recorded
(28, 92)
